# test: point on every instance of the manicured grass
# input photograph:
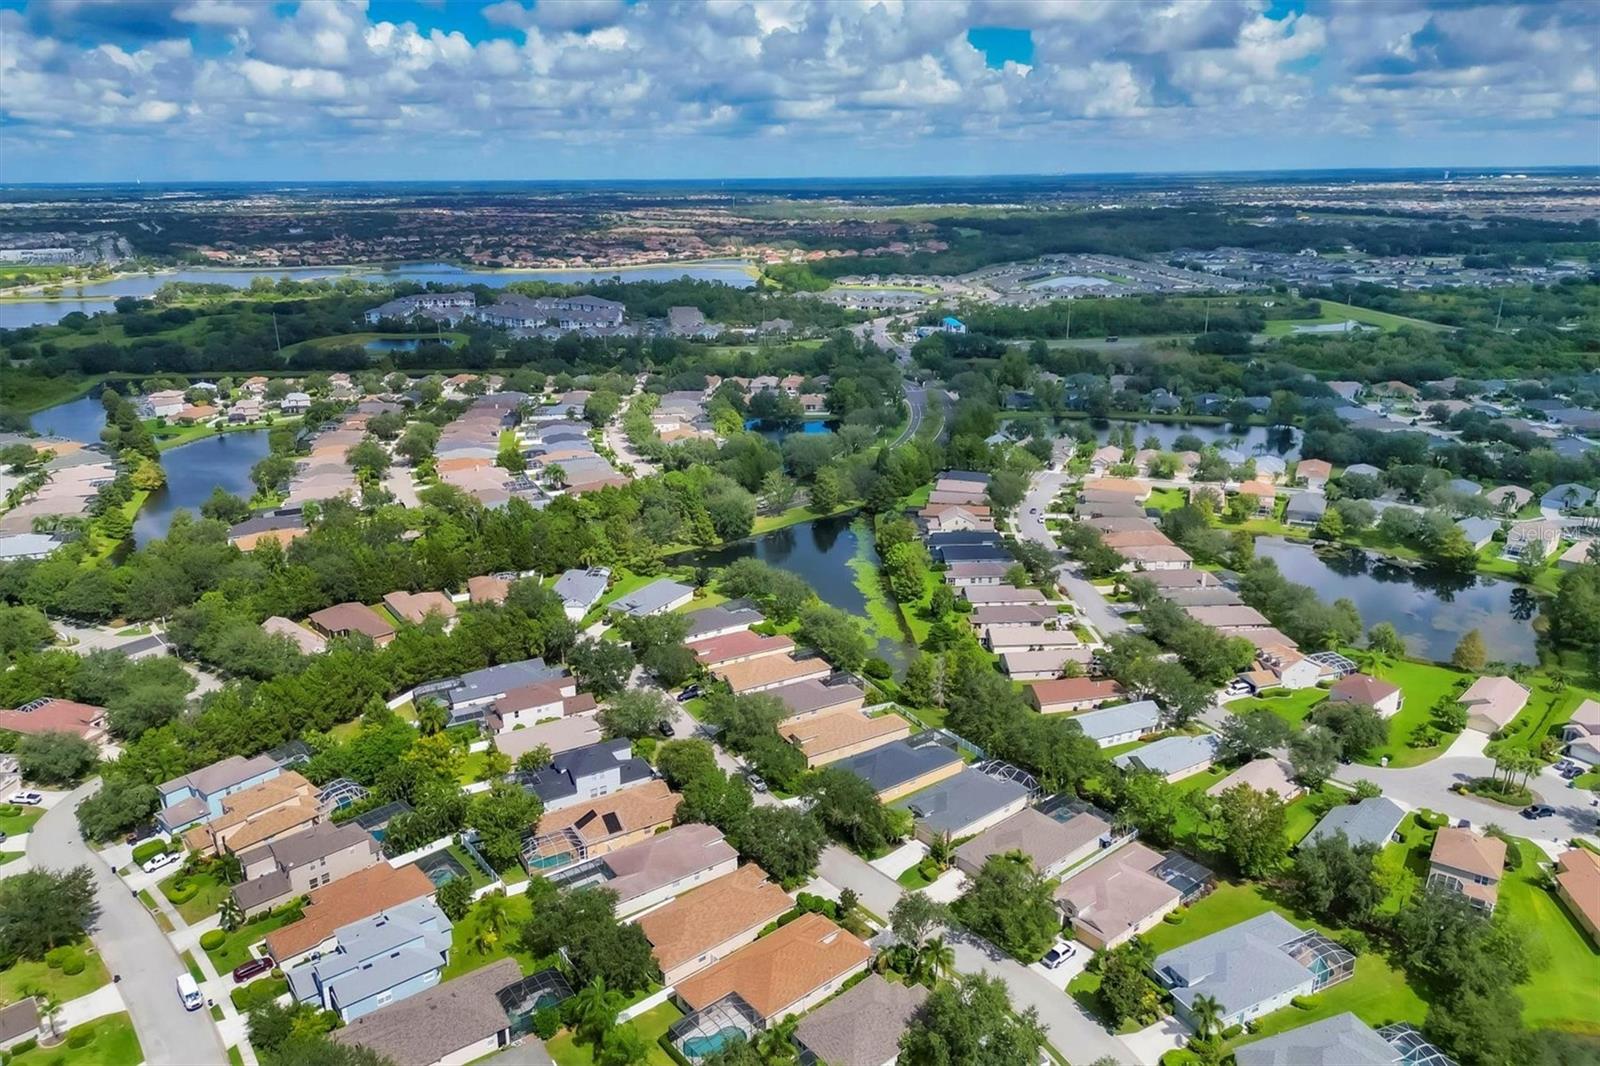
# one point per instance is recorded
(465, 955)
(795, 516)
(193, 967)
(1229, 904)
(566, 1051)
(1291, 706)
(912, 878)
(236, 946)
(1422, 684)
(204, 903)
(112, 1043)
(1563, 992)
(28, 973)
(1166, 499)
(19, 823)
(1333, 311)
(9, 856)
(1300, 818)
(235, 1057)
(1547, 710)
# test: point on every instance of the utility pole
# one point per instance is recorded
(1069, 320)
(1207, 327)
(275, 337)
(1497, 311)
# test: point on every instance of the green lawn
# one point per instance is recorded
(1333, 311)
(1230, 904)
(204, 903)
(1422, 685)
(112, 1043)
(27, 973)
(235, 947)
(912, 878)
(1563, 993)
(651, 1025)
(1547, 710)
(17, 824)
(1300, 818)
(1291, 706)
(465, 955)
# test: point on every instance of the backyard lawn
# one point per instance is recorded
(1230, 904)
(1291, 706)
(112, 1043)
(651, 1025)
(1300, 818)
(1563, 993)
(1422, 685)
(28, 974)
(465, 953)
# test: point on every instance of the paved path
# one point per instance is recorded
(1046, 486)
(131, 945)
(1072, 1032)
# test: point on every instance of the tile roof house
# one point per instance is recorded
(826, 738)
(713, 921)
(662, 867)
(308, 642)
(902, 767)
(1314, 472)
(347, 900)
(278, 872)
(1121, 724)
(788, 971)
(381, 959)
(738, 647)
(486, 588)
(344, 619)
(280, 528)
(1469, 863)
(1265, 775)
(460, 1020)
(198, 795)
(609, 822)
(1385, 698)
(960, 806)
(1042, 665)
(1051, 845)
(863, 1026)
(258, 815)
(1117, 898)
(1174, 758)
(1492, 702)
(1369, 821)
(1071, 694)
(1578, 886)
(1342, 1040)
(770, 671)
(415, 607)
(50, 715)
(1251, 969)
(1585, 721)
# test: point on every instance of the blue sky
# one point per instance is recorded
(238, 89)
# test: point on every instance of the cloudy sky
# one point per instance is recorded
(322, 89)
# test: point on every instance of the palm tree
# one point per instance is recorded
(493, 915)
(775, 1044)
(935, 962)
(431, 717)
(48, 1004)
(1207, 1016)
(231, 914)
(942, 850)
(596, 1009)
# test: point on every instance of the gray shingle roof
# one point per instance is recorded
(1371, 821)
(895, 764)
(1111, 721)
(1343, 1040)
(427, 1027)
(1240, 966)
(1170, 754)
(652, 597)
(581, 588)
(864, 1025)
(958, 801)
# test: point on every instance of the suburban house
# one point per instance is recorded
(1118, 897)
(738, 647)
(277, 807)
(1139, 558)
(457, 1021)
(278, 872)
(862, 1026)
(345, 619)
(1369, 821)
(1252, 968)
(724, 619)
(558, 734)
(659, 868)
(487, 588)
(1265, 775)
(1579, 554)
(379, 960)
(596, 827)
(1174, 758)
(1578, 885)
(1284, 667)
(1492, 702)
(1122, 724)
(1469, 863)
(1342, 1040)
(1582, 733)
(770, 671)
(415, 607)
(713, 921)
(1027, 637)
(1042, 665)
(197, 796)
(811, 698)
(279, 527)
(1000, 595)
(308, 642)
(473, 696)
(580, 590)
(1305, 508)
(1478, 531)
(1235, 616)
(586, 773)
(1542, 535)
(50, 715)
(902, 767)
(1050, 844)
(360, 895)
(658, 597)
(826, 738)
(964, 805)
(535, 703)
(1314, 472)
(788, 971)
(976, 573)
(1071, 694)
(1381, 696)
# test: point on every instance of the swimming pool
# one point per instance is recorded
(442, 867)
(698, 1047)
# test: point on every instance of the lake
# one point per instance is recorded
(820, 552)
(95, 296)
(809, 428)
(1431, 610)
(193, 471)
(1252, 440)
(81, 419)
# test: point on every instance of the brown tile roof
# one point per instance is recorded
(1463, 849)
(617, 814)
(1120, 486)
(347, 900)
(258, 813)
(352, 618)
(1314, 468)
(416, 606)
(716, 650)
(781, 968)
(827, 733)
(486, 589)
(700, 920)
(1073, 690)
(56, 716)
(770, 670)
(1359, 688)
(1117, 893)
(1578, 873)
(1262, 489)
(1043, 839)
(1136, 538)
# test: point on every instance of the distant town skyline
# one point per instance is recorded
(609, 89)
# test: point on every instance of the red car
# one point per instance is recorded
(246, 970)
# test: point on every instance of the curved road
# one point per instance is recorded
(131, 945)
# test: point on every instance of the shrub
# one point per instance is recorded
(1232, 1032)
(876, 667)
(9, 810)
(149, 850)
(212, 939)
(546, 1022)
(1432, 819)
(25, 1046)
(79, 1038)
(180, 891)
(1303, 1002)
(74, 966)
(1355, 940)
(57, 957)
(1173, 918)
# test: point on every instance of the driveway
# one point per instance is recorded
(1428, 786)
(131, 945)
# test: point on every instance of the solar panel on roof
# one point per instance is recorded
(613, 823)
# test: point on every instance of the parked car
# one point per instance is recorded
(156, 862)
(246, 970)
(664, 727)
(689, 693)
(756, 782)
(26, 799)
(1538, 810)
(1058, 955)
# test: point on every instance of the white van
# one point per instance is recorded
(189, 992)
